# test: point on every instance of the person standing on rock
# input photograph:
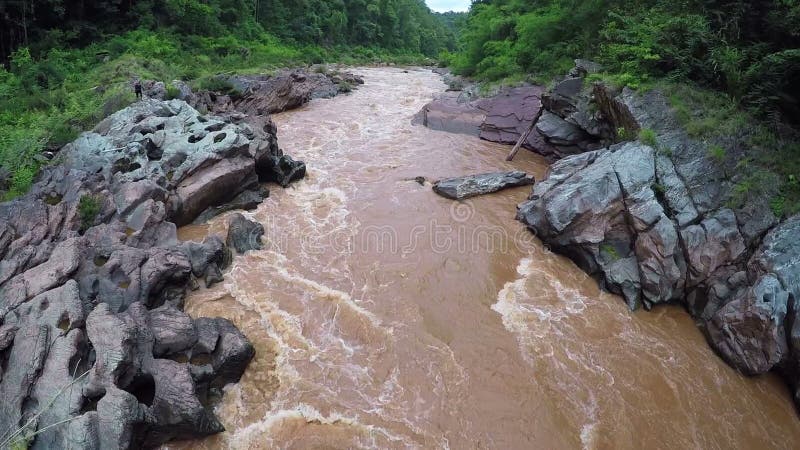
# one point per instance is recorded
(137, 88)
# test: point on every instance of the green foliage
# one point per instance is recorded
(398, 25)
(778, 205)
(753, 185)
(623, 134)
(717, 152)
(172, 92)
(648, 137)
(610, 251)
(46, 101)
(88, 208)
(749, 50)
(19, 443)
(215, 83)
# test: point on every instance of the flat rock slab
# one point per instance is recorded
(484, 183)
(452, 112)
(502, 118)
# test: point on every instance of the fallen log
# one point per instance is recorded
(524, 136)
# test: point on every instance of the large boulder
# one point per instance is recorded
(502, 118)
(602, 209)
(261, 95)
(485, 183)
(749, 332)
(244, 234)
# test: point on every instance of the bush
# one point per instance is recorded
(648, 137)
(88, 208)
(717, 152)
(216, 83)
(172, 92)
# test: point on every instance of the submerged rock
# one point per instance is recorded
(485, 183)
(244, 234)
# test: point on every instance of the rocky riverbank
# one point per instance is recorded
(95, 350)
(657, 220)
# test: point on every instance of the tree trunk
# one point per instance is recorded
(525, 135)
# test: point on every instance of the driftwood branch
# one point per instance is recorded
(525, 135)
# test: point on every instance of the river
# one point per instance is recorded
(385, 316)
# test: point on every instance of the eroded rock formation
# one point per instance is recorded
(661, 223)
(95, 350)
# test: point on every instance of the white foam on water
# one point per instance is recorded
(261, 431)
(540, 326)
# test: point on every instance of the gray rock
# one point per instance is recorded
(243, 234)
(559, 132)
(280, 169)
(452, 112)
(213, 275)
(227, 349)
(485, 183)
(173, 331)
(201, 255)
(260, 95)
(247, 200)
(601, 209)
(585, 67)
(657, 225)
(501, 118)
(749, 331)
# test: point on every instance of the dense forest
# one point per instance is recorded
(66, 64)
(728, 67)
(750, 50)
(390, 24)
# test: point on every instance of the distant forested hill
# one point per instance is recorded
(406, 25)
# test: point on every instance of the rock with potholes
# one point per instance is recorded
(94, 305)
(485, 183)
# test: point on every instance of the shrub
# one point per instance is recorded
(717, 152)
(215, 83)
(173, 92)
(88, 208)
(648, 137)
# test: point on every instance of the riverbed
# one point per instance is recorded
(385, 316)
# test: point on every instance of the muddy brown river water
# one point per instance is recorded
(385, 316)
